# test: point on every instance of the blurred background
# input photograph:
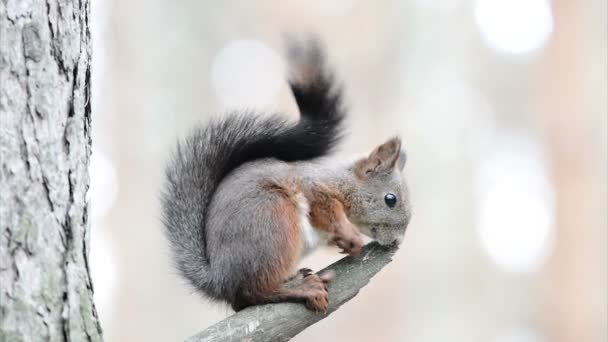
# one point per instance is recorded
(502, 106)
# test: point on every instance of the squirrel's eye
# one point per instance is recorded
(390, 199)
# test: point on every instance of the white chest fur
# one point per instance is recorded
(311, 237)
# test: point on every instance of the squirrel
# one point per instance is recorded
(247, 196)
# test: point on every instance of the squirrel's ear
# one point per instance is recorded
(383, 158)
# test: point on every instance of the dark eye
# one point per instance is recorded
(390, 199)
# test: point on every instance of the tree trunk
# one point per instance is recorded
(45, 144)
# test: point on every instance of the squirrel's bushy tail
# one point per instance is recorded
(206, 156)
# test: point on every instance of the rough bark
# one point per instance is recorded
(281, 322)
(45, 144)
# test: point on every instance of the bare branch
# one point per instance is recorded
(281, 322)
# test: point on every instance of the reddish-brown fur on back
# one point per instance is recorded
(285, 212)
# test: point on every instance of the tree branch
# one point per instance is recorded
(281, 322)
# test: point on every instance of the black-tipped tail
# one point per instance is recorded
(313, 84)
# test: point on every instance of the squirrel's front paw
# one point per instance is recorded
(350, 243)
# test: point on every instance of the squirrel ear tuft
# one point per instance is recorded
(382, 159)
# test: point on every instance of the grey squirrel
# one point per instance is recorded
(247, 196)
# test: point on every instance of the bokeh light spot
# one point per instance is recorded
(515, 205)
(514, 26)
